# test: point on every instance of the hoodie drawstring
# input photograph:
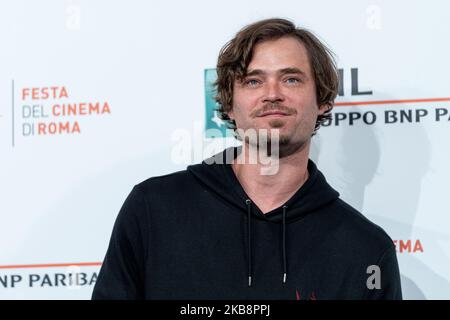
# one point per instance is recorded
(249, 244)
(284, 245)
(248, 202)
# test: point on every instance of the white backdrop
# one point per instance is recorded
(134, 72)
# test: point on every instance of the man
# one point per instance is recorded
(227, 229)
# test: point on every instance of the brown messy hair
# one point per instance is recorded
(235, 56)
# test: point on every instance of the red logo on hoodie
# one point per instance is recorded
(312, 296)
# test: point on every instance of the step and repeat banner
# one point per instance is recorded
(97, 96)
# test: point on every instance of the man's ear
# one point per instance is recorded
(323, 108)
(230, 114)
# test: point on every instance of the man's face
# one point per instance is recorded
(278, 92)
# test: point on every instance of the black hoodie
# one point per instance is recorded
(195, 234)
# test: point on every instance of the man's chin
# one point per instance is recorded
(279, 147)
(283, 146)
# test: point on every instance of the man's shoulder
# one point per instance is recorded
(170, 180)
(359, 228)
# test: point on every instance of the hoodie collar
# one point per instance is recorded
(216, 174)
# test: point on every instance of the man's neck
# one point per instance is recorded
(271, 191)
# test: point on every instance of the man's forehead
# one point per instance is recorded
(278, 56)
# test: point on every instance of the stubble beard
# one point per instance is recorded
(280, 145)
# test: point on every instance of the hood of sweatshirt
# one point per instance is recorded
(217, 175)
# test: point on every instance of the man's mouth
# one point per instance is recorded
(273, 113)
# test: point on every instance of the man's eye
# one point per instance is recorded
(293, 80)
(252, 82)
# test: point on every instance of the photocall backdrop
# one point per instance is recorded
(97, 96)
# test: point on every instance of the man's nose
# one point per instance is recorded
(273, 92)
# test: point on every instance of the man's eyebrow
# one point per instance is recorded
(290, 70)
(255, 72)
